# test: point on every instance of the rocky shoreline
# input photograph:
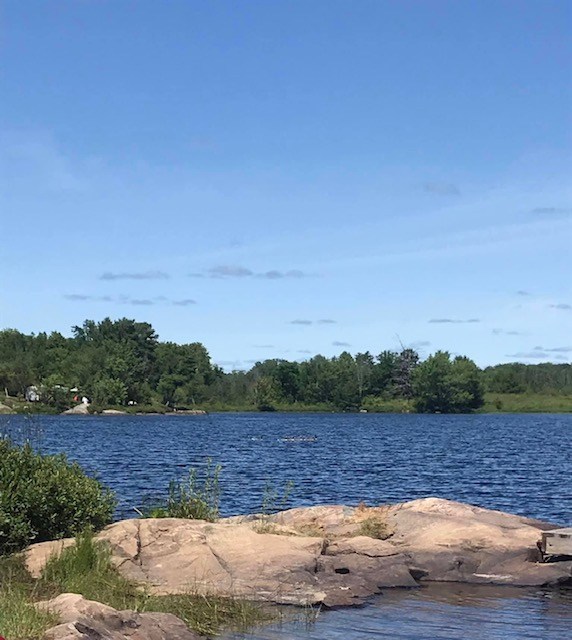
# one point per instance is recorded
(327, 555)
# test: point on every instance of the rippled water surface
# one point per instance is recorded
(517, 463)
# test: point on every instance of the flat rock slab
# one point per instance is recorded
(82, 619)
(321, 555)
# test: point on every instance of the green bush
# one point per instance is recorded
(46, 498)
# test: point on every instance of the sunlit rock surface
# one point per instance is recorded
(334, 555)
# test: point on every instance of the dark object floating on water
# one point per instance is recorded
(299, 439)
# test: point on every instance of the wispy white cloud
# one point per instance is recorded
(553, 211)
(186, 302)
(144, 275)
(561, 306)
(506, 332)
(442, 188)
(225, 271)
(126, 299)
(453, 321)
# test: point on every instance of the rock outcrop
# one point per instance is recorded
(327, 554)
(78, 410)
(82, 619)
(113, 412)
(5, 409)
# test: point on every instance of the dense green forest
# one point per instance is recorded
(122, 362)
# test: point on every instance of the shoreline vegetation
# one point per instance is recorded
(493, 403)
(121, 366)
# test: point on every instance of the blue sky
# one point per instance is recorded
(279, 179)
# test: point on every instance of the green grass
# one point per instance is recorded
(527, 403)
(388, 405)
(19, 619)
(209, 615)
(86, 568)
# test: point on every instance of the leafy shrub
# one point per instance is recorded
(192, 498)
(46, 498)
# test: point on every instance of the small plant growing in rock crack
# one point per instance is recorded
(193, 498)
(375, 527)
(272, 502)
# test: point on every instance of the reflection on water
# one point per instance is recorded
(438, 612)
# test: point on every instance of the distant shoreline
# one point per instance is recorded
(495, 403)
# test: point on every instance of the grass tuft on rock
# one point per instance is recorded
(193, 498)
(375, 527)
(86, 568)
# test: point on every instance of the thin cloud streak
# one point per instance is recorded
(125, 299)
(442, 188)
(146, 275)
(419, 344)
(453, 321)
(229, 271)
(562, 306)
(301, 322)
(184, 303)
(553, 211)
(529, 355)
(224, 272)
(337, 343)
(138, 302)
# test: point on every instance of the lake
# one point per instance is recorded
(516, 463)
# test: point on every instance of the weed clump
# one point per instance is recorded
(192, 498)
(375, 527)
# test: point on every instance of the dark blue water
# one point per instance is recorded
(516, 463)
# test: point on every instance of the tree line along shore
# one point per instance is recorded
(121, 363)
